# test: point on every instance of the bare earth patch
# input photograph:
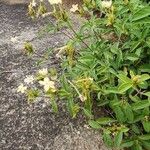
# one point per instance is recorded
(33, 127)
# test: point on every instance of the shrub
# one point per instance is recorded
(105, 66)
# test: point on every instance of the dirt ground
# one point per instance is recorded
(33, 127)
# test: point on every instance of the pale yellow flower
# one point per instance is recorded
(43, 72)
(33, 3)
(21, 88)
(61, 51)
(74, 8)
(52, 2)
(48, 84)
(82, 98)
(29, 79)
(14, 39)
(106, 3)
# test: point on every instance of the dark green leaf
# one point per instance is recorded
(145, 68)
(146, 145)
(128, 112)
(140, 105)
(146, 126)
(144, 137)
(118, 139)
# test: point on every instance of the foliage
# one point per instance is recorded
(106, 66)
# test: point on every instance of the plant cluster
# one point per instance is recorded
(105, 66)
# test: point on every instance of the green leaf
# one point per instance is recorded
(147, 94)
(137, 146)
(75, 110)
(146, 145)
(132, 57)
(94, 124)
(124, 87)
(128, 112)
(145, 20)
(145, 68)
(102, 102)
(124, 129)
(146, 111)
(119, 114)
(144, 137)
(118, 139)
(146, 126)
(54, 106)
(124, 78)
(143, 85)
(72, 107)
(142, 13)
(140, 105)
(144, 77)
(105, 120)
(87, 113)
(135, 129)
(134, 98)
(32, 94)
(111, 90)
(107, 139)
(138, 118)
(127, 144)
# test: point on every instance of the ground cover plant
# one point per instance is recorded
(105, 68)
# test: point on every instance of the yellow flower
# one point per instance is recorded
(106, 3)
(43, 72)
(74, 8)
(21, 88)
(29, 79)
(52, 2)
(48, 84)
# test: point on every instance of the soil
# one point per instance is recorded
(25, 126)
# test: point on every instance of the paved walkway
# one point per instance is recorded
(33, 127)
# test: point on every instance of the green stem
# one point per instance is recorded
(70, 26)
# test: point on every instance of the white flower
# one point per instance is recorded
(21, 88)
(43, 72)
(48, 84)
(74, 8)
(52, 2)
(29, 79)
(14, 39)
(106, 3)
(33, 3)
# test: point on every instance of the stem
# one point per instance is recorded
(70, 26)
(74, 87)
(67, 35)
